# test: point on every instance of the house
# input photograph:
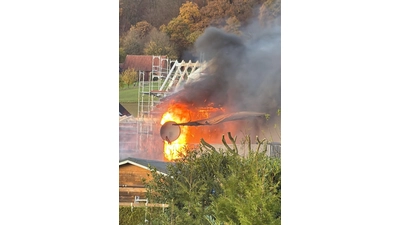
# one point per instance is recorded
(131, 173)
(149, 64)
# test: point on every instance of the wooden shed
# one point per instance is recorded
(131, 173)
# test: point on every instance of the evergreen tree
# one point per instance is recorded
(219, 187)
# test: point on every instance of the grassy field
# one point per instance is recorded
(128, 94)
(128, 97)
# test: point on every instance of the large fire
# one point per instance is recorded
(174, 149)
(181, 113)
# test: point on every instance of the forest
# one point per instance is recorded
(170, 27)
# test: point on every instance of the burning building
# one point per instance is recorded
(237, 88)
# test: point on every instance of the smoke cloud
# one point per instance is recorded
(244, 72)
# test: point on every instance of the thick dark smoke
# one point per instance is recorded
(244, 72)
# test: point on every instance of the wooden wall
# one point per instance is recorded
(130, 182)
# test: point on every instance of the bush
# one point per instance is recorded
(219, 187)
(137, 215)
(130, 216)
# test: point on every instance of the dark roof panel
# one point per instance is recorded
(161, 166)
(123, 111)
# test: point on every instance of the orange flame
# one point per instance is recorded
(176, 113)
(181, 113)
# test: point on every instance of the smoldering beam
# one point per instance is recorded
(222, 118)
(170, 130)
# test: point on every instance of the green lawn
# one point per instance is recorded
(131, 94)
(128, 94)
(128, 97)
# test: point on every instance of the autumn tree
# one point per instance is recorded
(160, 12)
(184, 21)
(134, 40)
(159, 44)
(215, 12)
(244, 10)
(143, 28)
(122, 55)
(177, 30)
(184, 29)
(130, 13)
(270, 11)
(232, 25)
(190, 14)
(129, 76)
(219, 12)
(121, 81)
(131, 42)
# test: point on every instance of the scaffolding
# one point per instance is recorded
(166, 76)
(163, 80)
(149, 82)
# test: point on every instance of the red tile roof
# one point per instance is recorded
(141, 62)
